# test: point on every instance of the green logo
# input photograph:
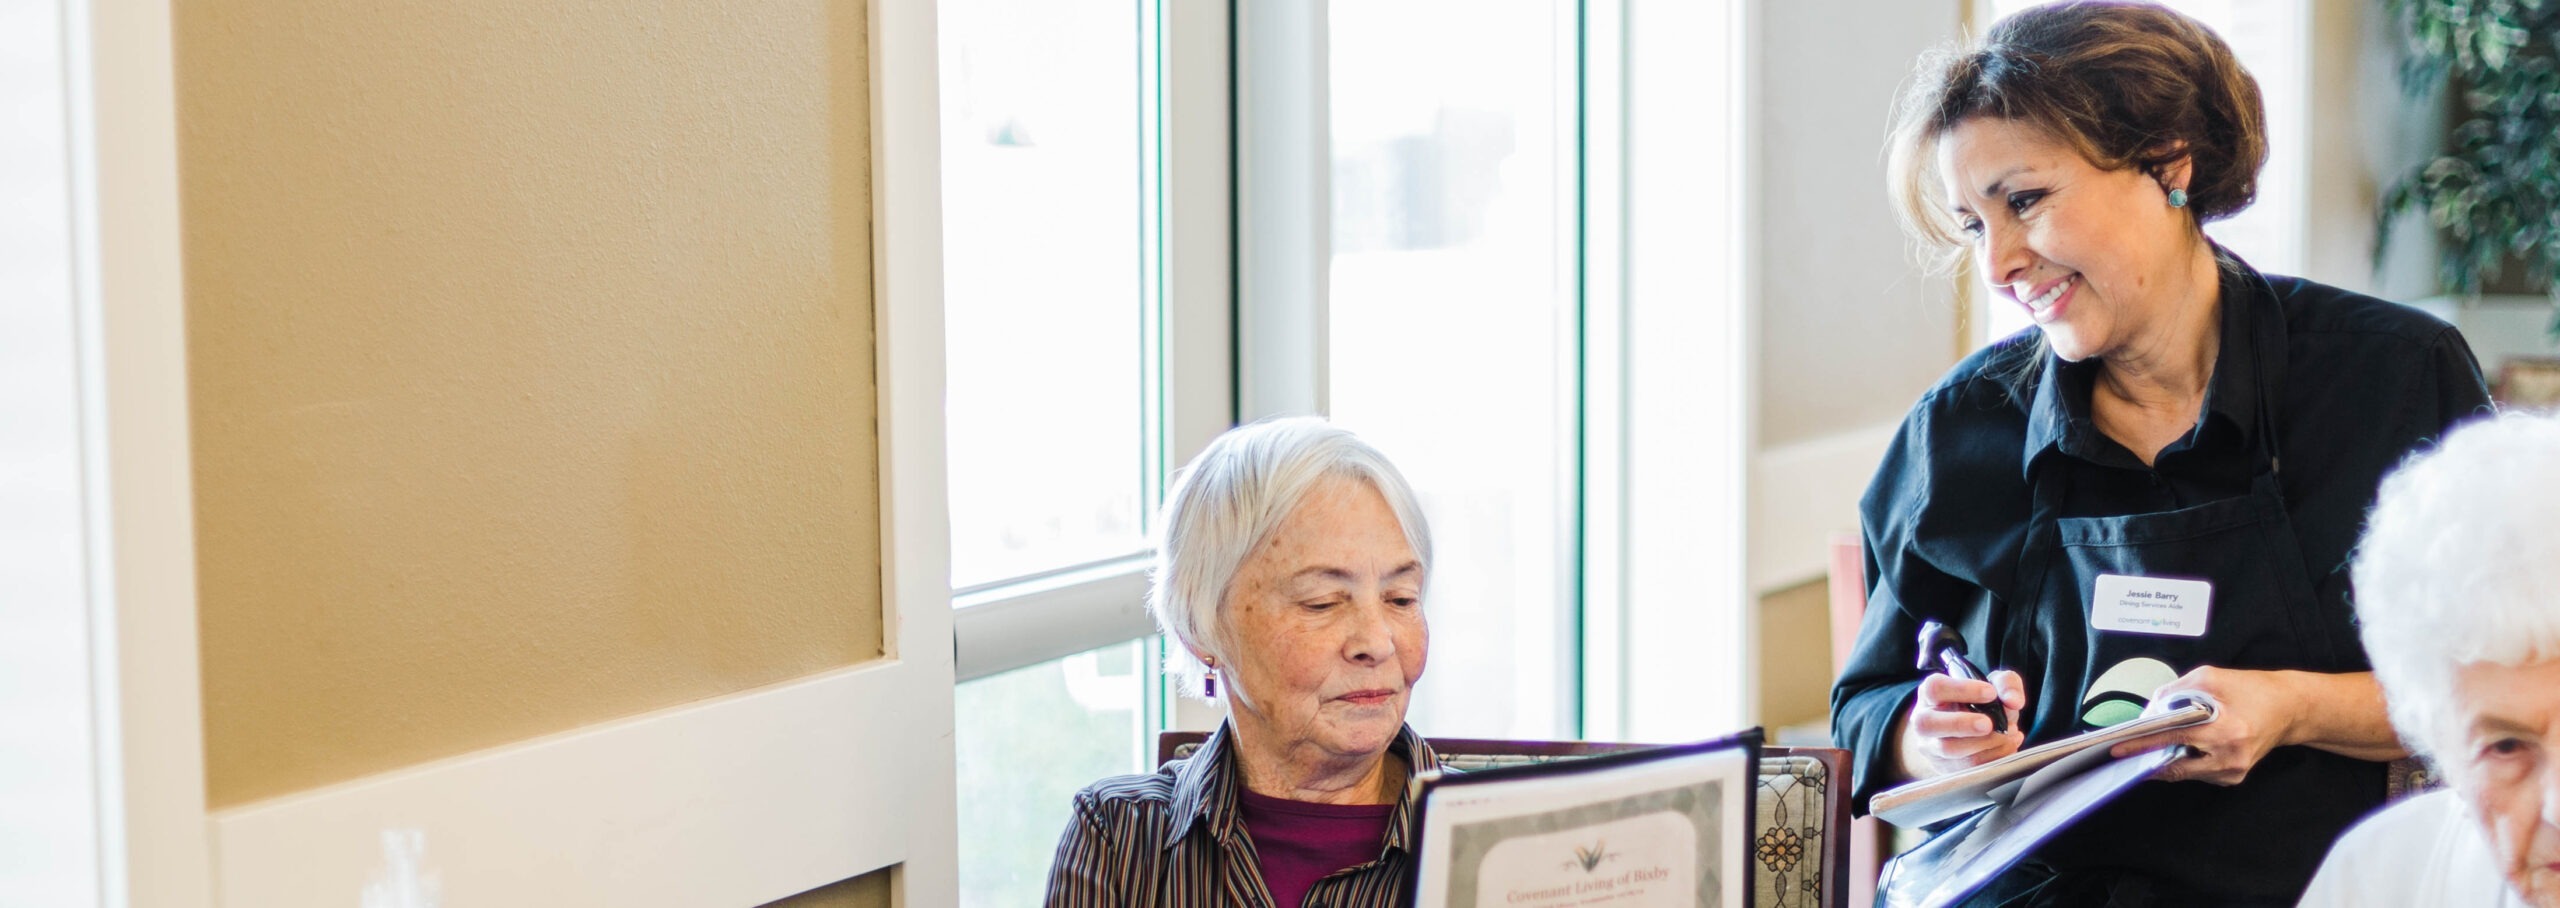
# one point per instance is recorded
(2121, 693)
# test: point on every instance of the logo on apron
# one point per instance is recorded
(2122, 692)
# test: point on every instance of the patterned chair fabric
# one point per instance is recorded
(1797, 860)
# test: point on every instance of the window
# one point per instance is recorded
(2270, 37)
(1029, 739)
(1042, 282)
(1045, 304)
(1454, 330)
(1086, 349)
(1422, 249)
(1515, 264)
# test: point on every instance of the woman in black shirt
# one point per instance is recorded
(2177, 428)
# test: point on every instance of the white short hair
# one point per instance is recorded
(2458, 566)
(1232, 496)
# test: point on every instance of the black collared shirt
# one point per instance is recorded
(1175, 838)
(2365, 383)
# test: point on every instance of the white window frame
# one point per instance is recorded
(1284, 208)
(1678, 663)
(1668, 383)
(105, 753)
(1023, 621)
(1667, 616)
(123, 822)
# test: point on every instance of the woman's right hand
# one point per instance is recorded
(1940, 735)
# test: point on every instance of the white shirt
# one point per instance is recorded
(2427, 850)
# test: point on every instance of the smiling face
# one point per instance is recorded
(2506, 762)
(2092, 255)
(1325, 630)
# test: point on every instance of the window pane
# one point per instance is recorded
(1028, 740)
(1040, 173)
(1452, 328)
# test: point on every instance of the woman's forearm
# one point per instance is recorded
(2343, 714)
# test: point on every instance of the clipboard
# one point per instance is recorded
(1662, 826)
(2028, 801)
(1963, 857)
(1939, 798)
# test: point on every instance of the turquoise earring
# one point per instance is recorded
(2177, 198)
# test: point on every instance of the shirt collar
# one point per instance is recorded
(2058, 415)
(1205, 789)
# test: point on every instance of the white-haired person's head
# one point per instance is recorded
(2457, 589)
(1229, 500)
(1290, 564)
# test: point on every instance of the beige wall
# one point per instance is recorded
(2365, 132)
(530, 354)
(1795, 655)
(1850, 331)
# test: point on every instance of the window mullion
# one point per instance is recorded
(1283, 164)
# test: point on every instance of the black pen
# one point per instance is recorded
(1945, 647)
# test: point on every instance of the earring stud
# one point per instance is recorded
(2177, 198)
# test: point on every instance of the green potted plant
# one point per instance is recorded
(2493, 193)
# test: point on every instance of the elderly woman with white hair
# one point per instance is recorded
(2458, 590)
(1292, 563)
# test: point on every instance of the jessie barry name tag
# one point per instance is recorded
(2150, 605)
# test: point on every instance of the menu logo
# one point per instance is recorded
(1589, 858)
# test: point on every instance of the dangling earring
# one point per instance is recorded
(2177, 198)
(1209, 685)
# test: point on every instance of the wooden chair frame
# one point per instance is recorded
(1835, 801)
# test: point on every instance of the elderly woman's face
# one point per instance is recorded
(1326, 627)
(2082, 250)
(2508, 746)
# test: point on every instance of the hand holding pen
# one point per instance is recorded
(1961, 716)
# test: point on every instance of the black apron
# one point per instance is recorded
(2185, 842)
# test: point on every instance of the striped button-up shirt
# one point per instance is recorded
(1175, 838)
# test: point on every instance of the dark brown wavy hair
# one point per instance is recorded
(2125, 84)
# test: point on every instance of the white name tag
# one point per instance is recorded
(2150, 605)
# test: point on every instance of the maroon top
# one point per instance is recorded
(1300, 843)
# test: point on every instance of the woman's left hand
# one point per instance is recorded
(2256, 714)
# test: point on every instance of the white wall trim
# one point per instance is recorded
(736, 800)
(1802, 493)
(139, 484)
(906, 180)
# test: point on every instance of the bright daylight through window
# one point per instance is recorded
(1041, 283)
(1454, 328)
(1045, 297)
(1452, 343)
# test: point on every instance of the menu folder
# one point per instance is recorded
(1665, 827)
(2018, 803)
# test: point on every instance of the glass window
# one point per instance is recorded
(2268, 36)
(1452, 332)
(1048, 247)
(1041, 170)
(1028, 740)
